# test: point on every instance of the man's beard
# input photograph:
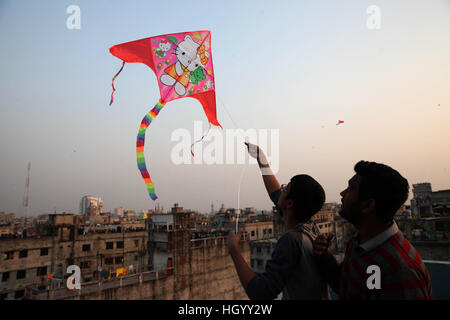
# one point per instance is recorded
(351, 215)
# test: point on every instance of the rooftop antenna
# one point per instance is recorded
(26, 197)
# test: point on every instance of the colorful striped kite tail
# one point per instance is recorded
(140, 148)
(114, 78)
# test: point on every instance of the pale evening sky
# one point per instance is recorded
(296, 66)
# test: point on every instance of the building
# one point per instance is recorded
(428, 203)
(261, 252)
(6, 229)
(168, 231)
(324, 219)
(119, 211)
(91, 206)
(43, 260)
(197, 264)
(160, 241)
(42, 219)
(130, 215)
(342, 230)
(7, 218)
(258, 230)
(278, 225)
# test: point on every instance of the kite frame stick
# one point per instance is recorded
(140, 142)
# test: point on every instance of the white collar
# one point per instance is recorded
(380, 238)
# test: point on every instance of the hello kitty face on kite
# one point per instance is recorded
(186, 53)
(164, 45)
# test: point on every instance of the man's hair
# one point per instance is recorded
(308, 196)
(383, 184)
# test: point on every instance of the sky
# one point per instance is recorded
(293, 66)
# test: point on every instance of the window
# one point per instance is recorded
(109, 260)
(136, 243)
(5, 276)
(8, 255)
(44, 251)
(109, 245)
(253, 233)
(3, 296)
(136, 257)
(259, 262)
(119, 244)
(21, 274)
(270, 231)
(41, 271)
(23, 253)
(258, 249)
(119, 259)
(19, 294)
(85, 264)
(86, 247)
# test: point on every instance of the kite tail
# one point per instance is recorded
(140, 148)
(204, 135)
(114, 78)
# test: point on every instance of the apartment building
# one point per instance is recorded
(43, 260)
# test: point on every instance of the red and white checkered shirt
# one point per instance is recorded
(403, 275)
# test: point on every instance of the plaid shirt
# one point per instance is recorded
(403, 274)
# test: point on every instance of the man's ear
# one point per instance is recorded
(368, 205)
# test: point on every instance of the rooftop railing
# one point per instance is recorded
(33, 293)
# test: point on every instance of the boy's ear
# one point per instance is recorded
(289, 203)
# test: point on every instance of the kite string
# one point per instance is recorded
(239, 199)
(114, 78)
(243, 169)
(229, 115)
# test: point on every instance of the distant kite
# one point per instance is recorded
(339, 122)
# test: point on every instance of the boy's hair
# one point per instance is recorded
(383, 184)
(308, 196)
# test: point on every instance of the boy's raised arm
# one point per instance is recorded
(270, 181)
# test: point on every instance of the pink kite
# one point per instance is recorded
(339, 122)
(182, 63)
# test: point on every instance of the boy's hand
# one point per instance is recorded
(321, 243)
(257, 153)
(233, 240)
